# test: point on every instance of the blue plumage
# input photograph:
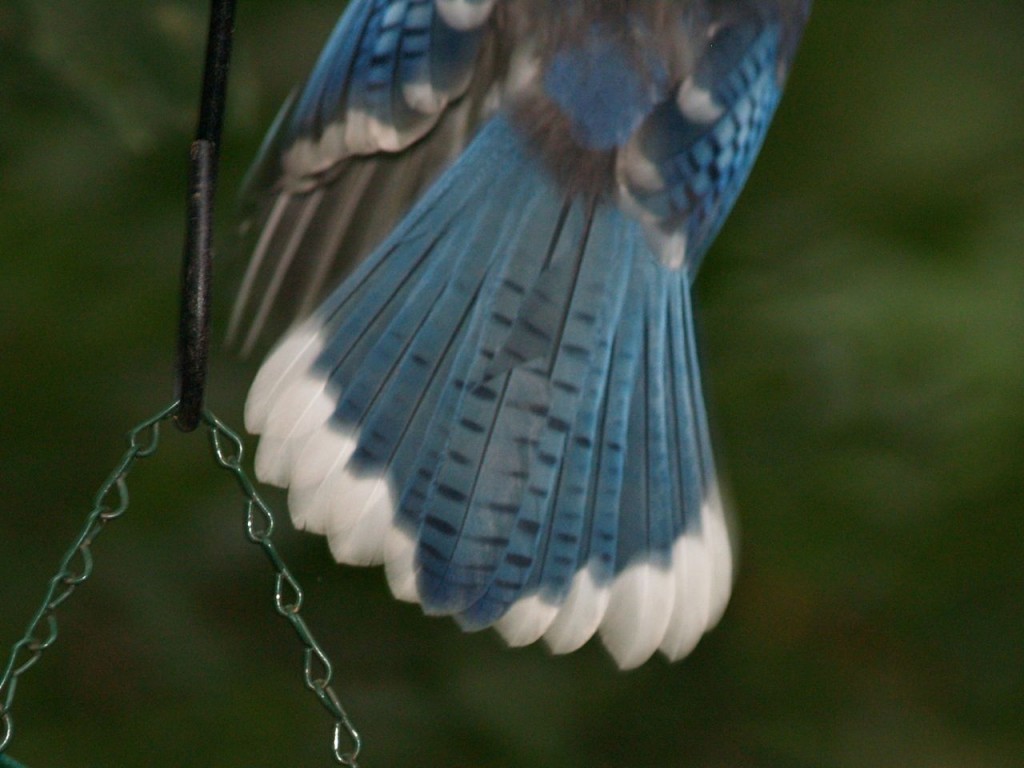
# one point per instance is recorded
(389, 67)
(502, 403)
(603, 88)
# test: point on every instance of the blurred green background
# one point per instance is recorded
(863, 318)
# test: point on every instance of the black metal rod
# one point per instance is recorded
(194, 322)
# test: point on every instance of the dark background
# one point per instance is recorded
(863, 317)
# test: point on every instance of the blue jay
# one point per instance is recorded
(501, 403)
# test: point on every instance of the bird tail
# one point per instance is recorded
(503, 406)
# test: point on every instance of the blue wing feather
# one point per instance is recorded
(325, 91)
(387, 72)
(702, 141)
(394, 96)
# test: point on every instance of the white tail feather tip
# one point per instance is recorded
(293, 357)
(526, 621)
(638, 613)
(579, 616)
(400, 565)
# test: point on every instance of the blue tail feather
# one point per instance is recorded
(578, 328)
(525, 378)
(563, 542)
(603, 519)
(645, 521)
(700, 413)
(469, 418)
(684, 454)
(427, 459)
(405, 357)
(567, 542)
(484, 471)
(360, 311)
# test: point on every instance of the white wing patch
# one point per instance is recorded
(464, 15)
(697, 104)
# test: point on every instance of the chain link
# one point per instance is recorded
(259, 526)
(77, 566)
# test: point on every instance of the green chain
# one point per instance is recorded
(110, 503)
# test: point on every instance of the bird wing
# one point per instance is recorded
(396, 94)
(683, 168)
